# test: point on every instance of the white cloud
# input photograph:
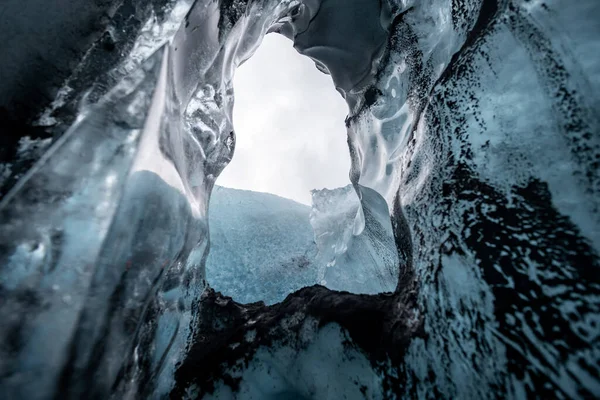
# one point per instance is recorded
(289, 123)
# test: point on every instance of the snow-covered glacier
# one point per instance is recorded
(462, 262)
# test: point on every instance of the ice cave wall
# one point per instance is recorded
(55, 53)
(474, 121)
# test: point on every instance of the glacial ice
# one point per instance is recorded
(264, 247)
(355, 241)
(261, 246)
(473, 135)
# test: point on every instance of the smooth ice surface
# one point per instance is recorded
(288, 120)
(92, 242)
(356, 245)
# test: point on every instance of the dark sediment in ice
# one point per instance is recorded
(475, 123)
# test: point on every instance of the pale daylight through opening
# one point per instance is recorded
(289, 123)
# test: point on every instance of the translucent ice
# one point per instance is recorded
(472, 130)
(102, 253)
(356, 245)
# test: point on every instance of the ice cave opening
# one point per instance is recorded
(288, 120)
(283, 194)
(474, 200)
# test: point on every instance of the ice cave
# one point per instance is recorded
(462, 260)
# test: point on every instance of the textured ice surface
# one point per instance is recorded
(261, 246)
(264, 247)
(473, 124)
(325, 368)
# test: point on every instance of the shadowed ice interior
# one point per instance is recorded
(472, 136)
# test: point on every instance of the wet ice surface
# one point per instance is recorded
(356, 245)
(472, 135)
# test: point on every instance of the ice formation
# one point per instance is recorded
(473, 134)
(264, 247)
(261, 246)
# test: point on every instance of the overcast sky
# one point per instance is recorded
(289, 123)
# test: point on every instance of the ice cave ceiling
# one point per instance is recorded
(462, 262)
